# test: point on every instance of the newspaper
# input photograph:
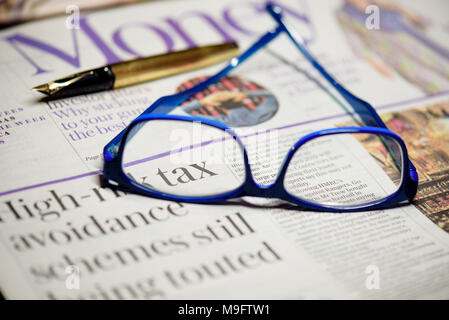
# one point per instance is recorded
(63, 236)
(15, 11)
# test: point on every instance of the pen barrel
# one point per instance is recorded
(155, 67)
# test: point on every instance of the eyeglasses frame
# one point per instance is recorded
(114, 176)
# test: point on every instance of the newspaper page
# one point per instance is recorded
(16, 11)
(64, 236)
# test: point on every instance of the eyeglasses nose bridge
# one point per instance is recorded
(273, 190)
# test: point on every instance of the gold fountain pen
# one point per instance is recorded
(131, 72)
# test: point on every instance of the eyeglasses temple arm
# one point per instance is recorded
(367, 113)
(364, 109)
(167, 103)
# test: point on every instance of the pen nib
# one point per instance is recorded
(43, 88)
(55, 87)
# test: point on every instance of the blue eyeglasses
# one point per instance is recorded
(207, 162)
